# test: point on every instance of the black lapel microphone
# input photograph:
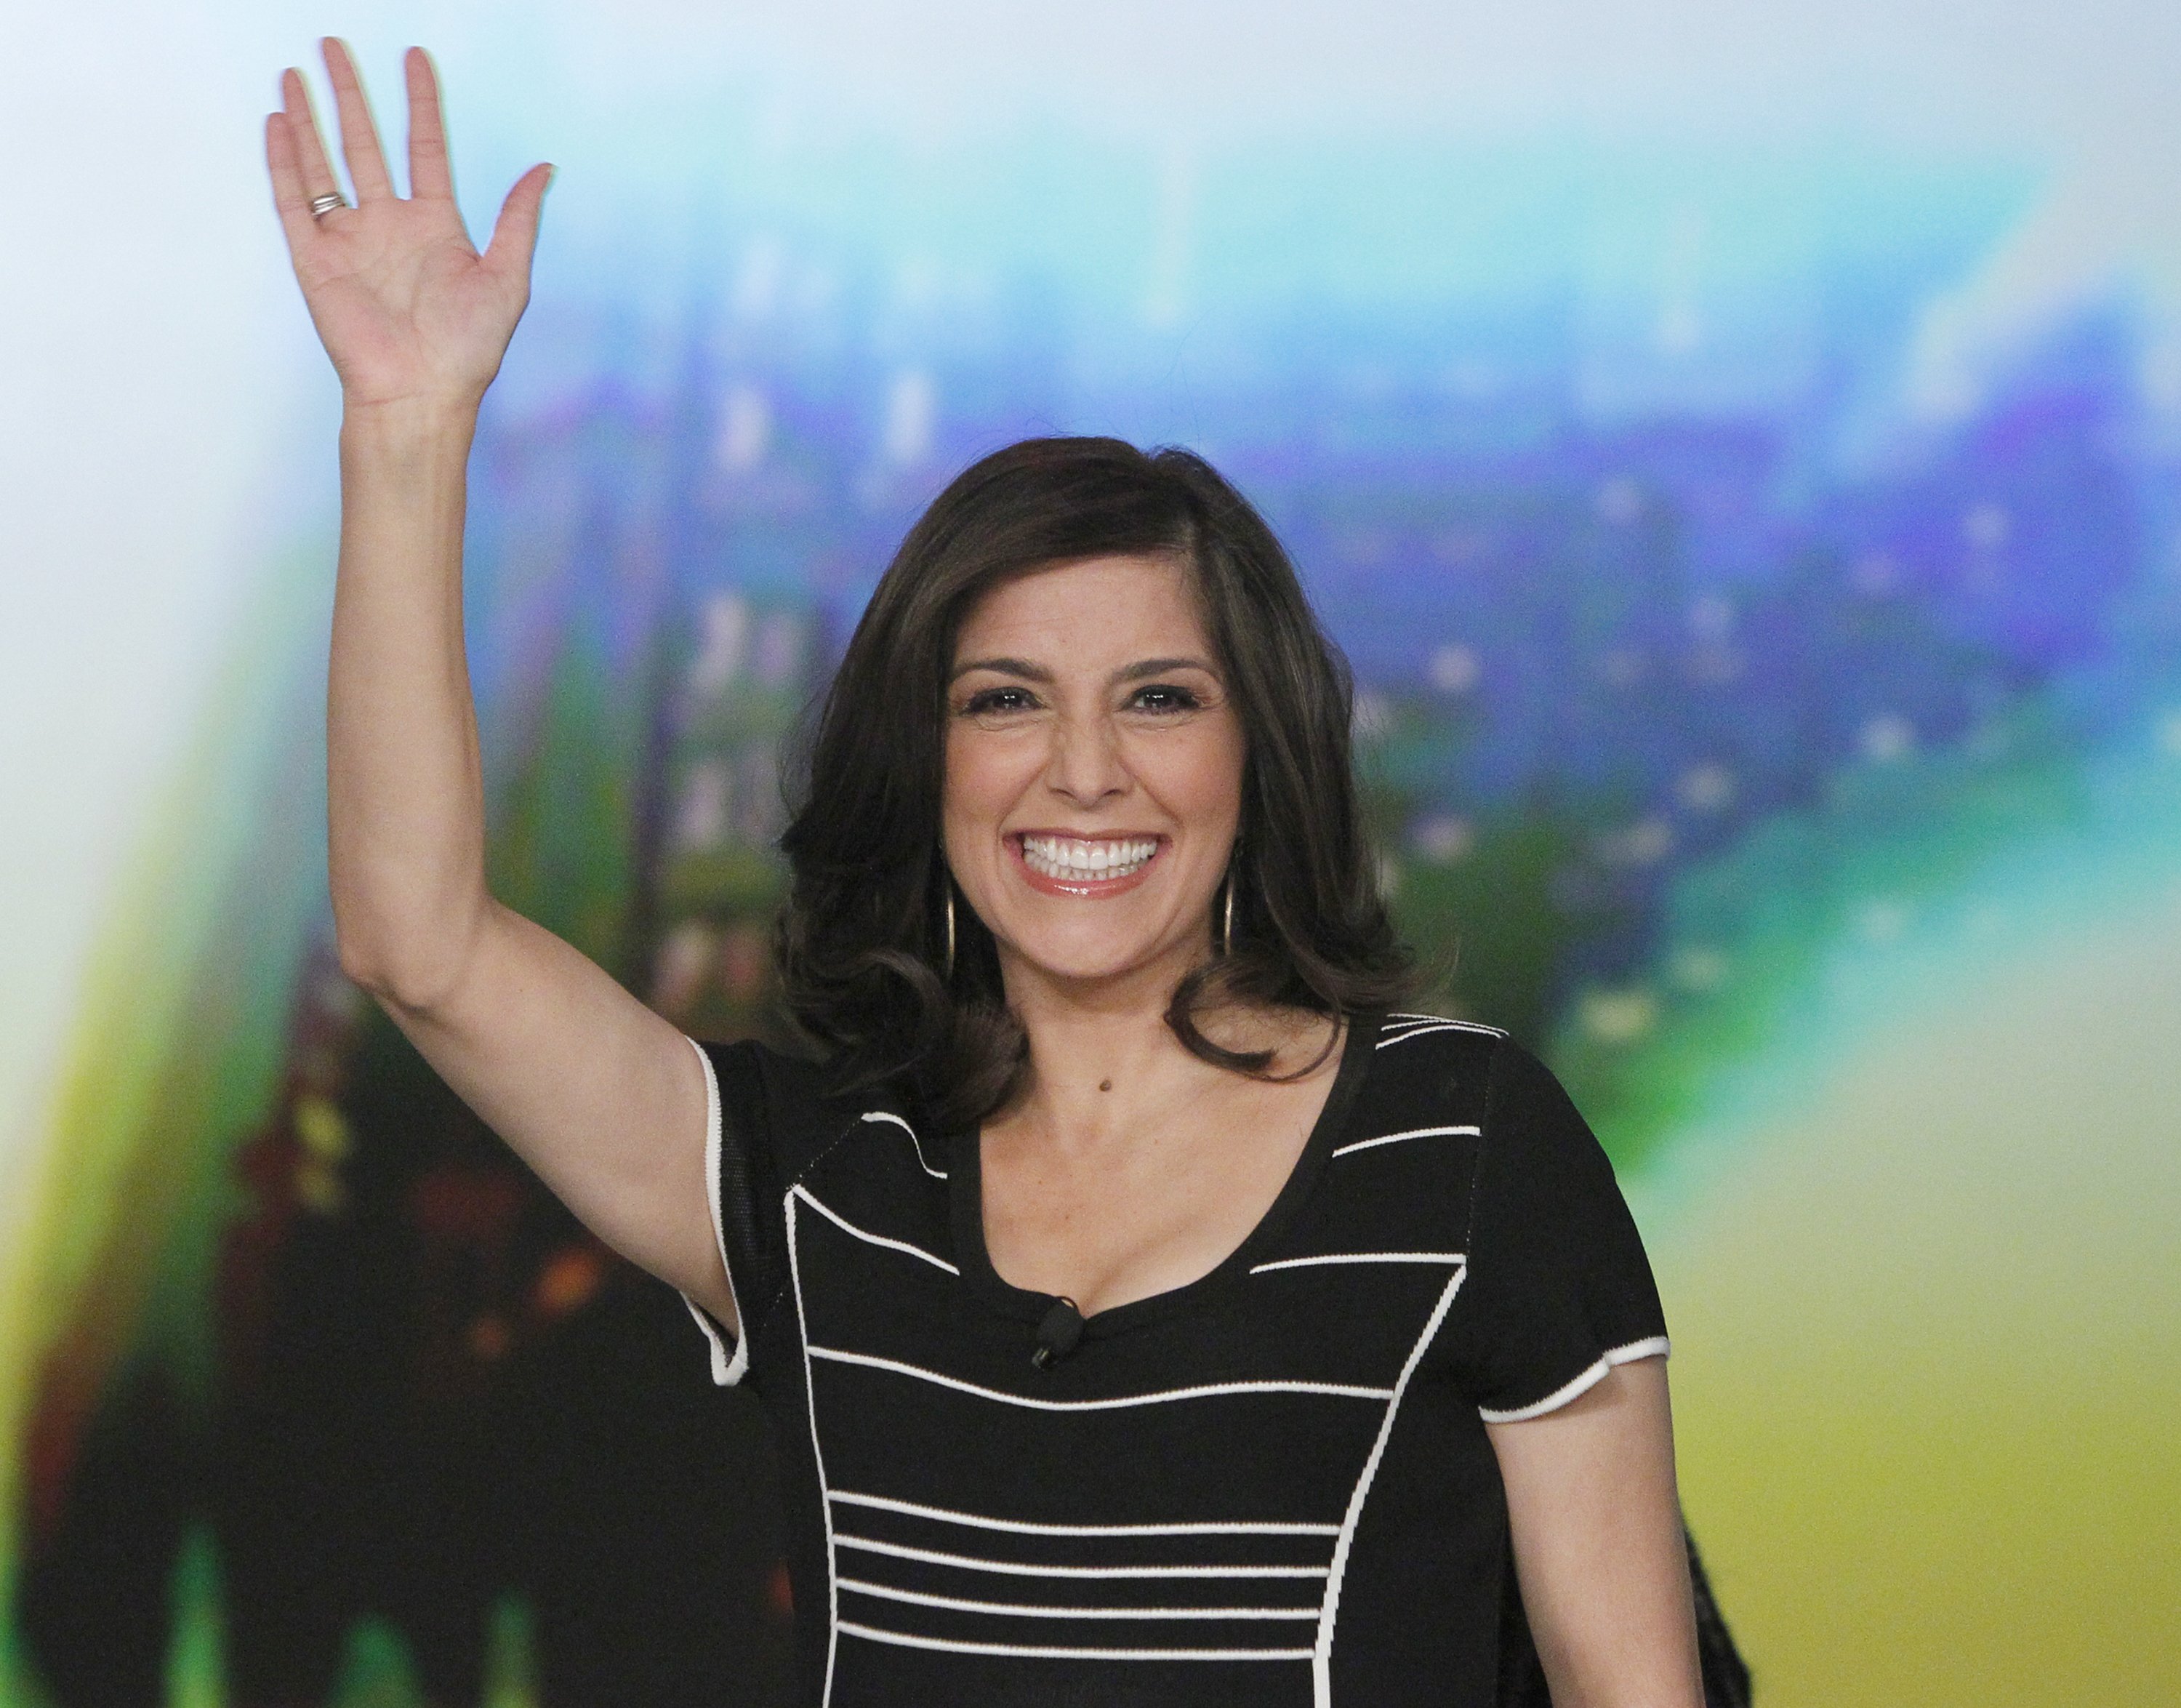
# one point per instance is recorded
(1058, 1334)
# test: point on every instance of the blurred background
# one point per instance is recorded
(1738, 447)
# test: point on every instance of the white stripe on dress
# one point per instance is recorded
(1321, 1657)
(1023, 1527)
(865, 1234)
(1033, 1652)
(1360, 1257)
(1412, 1133)
(817, 1459)
(1013, 1568)
(1013, 1609)
(1436, 1026)
(884, 1115)
(1393, 1021)
(1210, 1390)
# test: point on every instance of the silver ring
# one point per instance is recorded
(322, 206)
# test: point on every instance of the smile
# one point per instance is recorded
(1083, 865)
(1065, 856)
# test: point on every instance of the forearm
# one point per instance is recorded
(404, 794)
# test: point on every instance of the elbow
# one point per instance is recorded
(419, 973)
(399, 985)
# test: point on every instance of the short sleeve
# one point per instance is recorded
(739, 1173)
(1558, 1290)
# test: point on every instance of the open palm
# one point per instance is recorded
(405, 305)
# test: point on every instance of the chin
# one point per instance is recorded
(1083, 963)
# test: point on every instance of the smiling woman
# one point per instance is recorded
(1082, 906)
(1146, 1312)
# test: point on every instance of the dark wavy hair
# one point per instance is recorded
(861, 943)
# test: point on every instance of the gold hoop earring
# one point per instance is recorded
(1227, 917)
(948, 972)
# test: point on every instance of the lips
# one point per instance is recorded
(1054, 863)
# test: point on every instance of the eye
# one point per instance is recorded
(998, 702)
(1164, 697)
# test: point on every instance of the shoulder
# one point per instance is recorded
(1498, 1107)
(1423, 1059)
(1422, 1077)
(1430, 1055)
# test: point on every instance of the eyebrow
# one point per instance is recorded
(1160, 666)
(1037, 672)
(1004, 666)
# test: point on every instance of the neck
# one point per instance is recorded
(1086, 1033)
(1101, 1056)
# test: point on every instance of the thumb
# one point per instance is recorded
(514, 233)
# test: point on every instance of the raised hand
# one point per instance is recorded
(407, 308)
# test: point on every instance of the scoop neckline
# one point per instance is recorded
(965, 1188)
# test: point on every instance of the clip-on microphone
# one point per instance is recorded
(1058, 1334)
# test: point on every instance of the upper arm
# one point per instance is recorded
(1598, 1546)
(604, 1099)
(1557, 1338)
(1559, 1290)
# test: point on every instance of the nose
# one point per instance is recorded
(1085, 763)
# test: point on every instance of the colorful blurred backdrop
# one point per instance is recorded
(1738, 447)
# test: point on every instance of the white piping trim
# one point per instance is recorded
(883, 1115)
(722, 1362)
(1031, 1652)
(1210, 1390)
(818, 1458)
(965, 1562)
(1583, 1382)
(727, 1368)
(1021, 1526)
(1438, 1026)
(1654, 1348)
(1360, 1258)
(955, 1604)
(1392, 1019)
(1412, 1133)
(865, 1234)
(1320, 1660)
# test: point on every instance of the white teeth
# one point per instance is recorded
(1067, 857)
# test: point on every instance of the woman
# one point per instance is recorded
(1146, 1312)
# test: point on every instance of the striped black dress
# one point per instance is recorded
(1270, 1487)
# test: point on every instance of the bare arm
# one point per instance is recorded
(600, 1096)
(1598, 1547)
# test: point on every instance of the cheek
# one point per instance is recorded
(981, 779)
(1198, 771)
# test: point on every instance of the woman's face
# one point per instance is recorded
(1093, 769)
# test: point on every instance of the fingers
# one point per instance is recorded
(367, 162)
(290, 198)
(429, 178)
(514, 233)
(302, 127)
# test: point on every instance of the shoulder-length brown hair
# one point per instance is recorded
(862, 939)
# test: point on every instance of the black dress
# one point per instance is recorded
(1270, 1487)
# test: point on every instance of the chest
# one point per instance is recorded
(1155, 1205)
(1242, 1487)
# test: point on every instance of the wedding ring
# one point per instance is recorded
(322, 206)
